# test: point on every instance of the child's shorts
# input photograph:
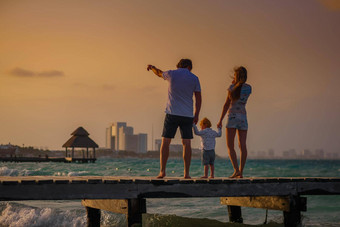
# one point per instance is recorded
(238, 121)
(208, 157)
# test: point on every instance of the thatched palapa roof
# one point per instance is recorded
(80, 138)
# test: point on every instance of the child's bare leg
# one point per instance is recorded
(206, 169)
(212, 170)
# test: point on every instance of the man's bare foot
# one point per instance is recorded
(204, 177)
(187, 177)
(211, 177)
(161, 175)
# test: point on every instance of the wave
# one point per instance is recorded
(14, 214)
(5, 171)
(79, 173)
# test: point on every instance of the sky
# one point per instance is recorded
(65, 64)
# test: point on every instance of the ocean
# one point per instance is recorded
(321, 210)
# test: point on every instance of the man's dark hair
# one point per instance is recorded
(185, 63)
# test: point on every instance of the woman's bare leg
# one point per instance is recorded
(242, 138)
(230, 134)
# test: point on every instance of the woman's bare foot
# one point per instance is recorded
(161, 175)
(187, 177)
(211, 177)
(204, 177)
(236, 175)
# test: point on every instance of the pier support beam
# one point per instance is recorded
(136, 207)
(235, 214)
(132, 208)
(292, 218)
(93, 217)
(290, 205)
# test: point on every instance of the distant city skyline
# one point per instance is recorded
(121, 137)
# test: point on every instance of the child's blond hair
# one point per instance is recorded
(205, 121)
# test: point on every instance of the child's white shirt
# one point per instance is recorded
(208, 136)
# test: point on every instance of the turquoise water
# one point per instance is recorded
(321, 210)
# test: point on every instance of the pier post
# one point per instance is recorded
(235, 214)
(93, 217)
(132, 208)
(293, 217)
(136, 207)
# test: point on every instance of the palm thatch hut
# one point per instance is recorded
(80, 139)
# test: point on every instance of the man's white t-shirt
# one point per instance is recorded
(182, 85)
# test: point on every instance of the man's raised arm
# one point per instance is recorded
(155, 70)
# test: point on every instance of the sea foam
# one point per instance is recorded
(14, 214)
(5, 171)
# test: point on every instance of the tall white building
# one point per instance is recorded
(120, 137)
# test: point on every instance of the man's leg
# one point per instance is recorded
(163, 156)
(186, 156)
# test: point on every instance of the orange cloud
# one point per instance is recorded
(331, 4)
(21, 72)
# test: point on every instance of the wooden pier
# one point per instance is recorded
(128, 195)
(47, 159)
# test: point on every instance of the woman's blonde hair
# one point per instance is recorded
(205, 121)
(240, 79)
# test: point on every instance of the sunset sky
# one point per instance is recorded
(68, 63)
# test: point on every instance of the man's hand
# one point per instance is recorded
(149, 67)
(195, 119)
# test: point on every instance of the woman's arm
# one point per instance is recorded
(224, 111)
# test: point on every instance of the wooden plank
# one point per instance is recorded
(265, 202)
(318, 188)
(113, 205)
(95, 181)
(215, 181)
(117, 187)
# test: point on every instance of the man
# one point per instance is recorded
(183, 85)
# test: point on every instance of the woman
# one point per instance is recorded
(235, 107)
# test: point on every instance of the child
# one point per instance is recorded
(208, 145)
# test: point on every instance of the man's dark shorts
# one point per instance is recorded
(172, 122)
